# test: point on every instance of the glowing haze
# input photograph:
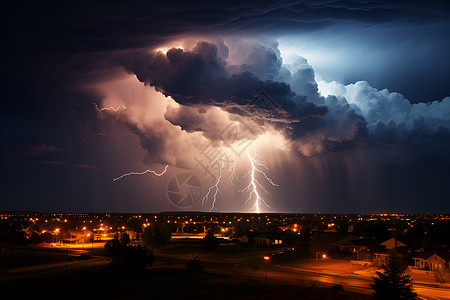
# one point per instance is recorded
(271, 114)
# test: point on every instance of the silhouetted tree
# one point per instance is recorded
(34, 238)
(46, 237)
(378, 230)
(342, 227)
(19, 238)
(393, 283)
(125, 238)
(210, 242)
(157, 235)
(127, 257)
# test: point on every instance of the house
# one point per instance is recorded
(381, 257)
(392, 243)
(261, 238)
(352, 246)
(432, 260)
(268, 239)
(132, 234)
(78, 236)
(246, 238)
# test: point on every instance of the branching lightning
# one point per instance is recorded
(233, 170)
(214, 187)
(254, 186)
(142, 173)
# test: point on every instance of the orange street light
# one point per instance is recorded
(324, 256)
(266, 258)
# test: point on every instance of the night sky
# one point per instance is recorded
(340, 106)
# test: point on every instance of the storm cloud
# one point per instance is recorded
(336, 118)
(357, 117)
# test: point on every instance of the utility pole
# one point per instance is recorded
(67, 251)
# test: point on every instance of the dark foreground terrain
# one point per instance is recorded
(97, 281)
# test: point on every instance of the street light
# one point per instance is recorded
(266, 259)
(324, 256)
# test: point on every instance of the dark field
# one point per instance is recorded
(41, 272)
(157, 282)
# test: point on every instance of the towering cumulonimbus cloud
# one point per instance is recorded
(315, 116)
(390, 117)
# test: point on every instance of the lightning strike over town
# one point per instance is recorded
(225, 150)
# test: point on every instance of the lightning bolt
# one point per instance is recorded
(120, 106)
(97, 108)
(233, 170)
(142, 173)
(254, 186)
(214, 187)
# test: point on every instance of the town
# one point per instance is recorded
(269, 246)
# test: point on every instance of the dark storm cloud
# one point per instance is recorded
(36, 150)
(87, 26)
(73, 38)
(28, 153)
(63, 164)
(200, 77)
(316, 124)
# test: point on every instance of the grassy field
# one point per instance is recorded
(23, 256)
(14, 257)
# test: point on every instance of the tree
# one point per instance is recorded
(125, 238)
(378, 230)
(157, 235)
(127, 257)
(19, 238)
(342, 227)
(34, 238)
(210, 242)
(46, 237)
(392, 283)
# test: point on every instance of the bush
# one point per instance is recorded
(337, 287)
(440, 276)
(194, 265)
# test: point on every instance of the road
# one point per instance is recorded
(307, 277)
(276, 273)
